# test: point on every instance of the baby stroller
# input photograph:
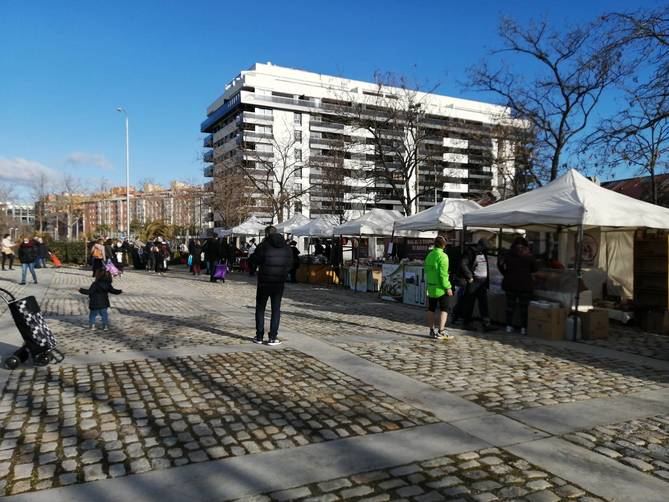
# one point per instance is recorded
(39, 342)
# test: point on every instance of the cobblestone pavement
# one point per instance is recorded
(69, 424)
(510, 372)
(480, 476)
(642, 444)
(635, 341)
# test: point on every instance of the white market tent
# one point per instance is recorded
(295, 221)
(377, 222)
(570, 201)
(323, 226)
(447, 215)
(252, 226)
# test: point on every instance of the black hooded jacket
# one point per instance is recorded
(98, 293)
(274, 259)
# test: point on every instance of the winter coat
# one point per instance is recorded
(436, 273)
(43, 250)
(98, 293)
(212, 249)
(517, 267)
(196, 253)
(27, 253)
(468, 264)
(274, 259)
(296, 257)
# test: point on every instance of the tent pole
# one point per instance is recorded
(308, 252)
(579, 264)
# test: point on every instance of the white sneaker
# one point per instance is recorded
(509, 329)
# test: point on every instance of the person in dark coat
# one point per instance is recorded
(98, 298)
(196, 260)
(296, 261)
(42, 252)
(27, 256)
(474, 270)
(212, 254)
(274, 260)
(517, 267)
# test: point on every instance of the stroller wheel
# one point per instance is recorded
(42, 359)
(12, 362)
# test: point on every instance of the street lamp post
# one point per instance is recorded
(127, 174)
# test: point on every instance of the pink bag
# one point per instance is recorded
(111, 268)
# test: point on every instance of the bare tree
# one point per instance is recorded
(644, 37)
(40, 189)
(637, 137)
(274, 167)
(392, 122)
(6, 196)
(231, 197)
(71, 201)
(331, 173)
(573, 70)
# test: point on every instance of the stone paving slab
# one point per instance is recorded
(607, 478)
(235, 477)
(72, 424)
(511, 373)
(635, 341)
(642, 444)
(484, 475)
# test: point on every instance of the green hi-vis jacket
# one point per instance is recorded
(436, 273)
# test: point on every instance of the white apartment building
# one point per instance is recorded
(268, 105)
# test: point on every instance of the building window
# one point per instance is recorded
(298, 206)
(298, 136)
(298, 155)
(297, 117)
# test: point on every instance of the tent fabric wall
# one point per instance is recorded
(616, 256)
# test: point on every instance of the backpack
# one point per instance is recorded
(96, 252)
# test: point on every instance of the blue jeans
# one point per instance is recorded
(103, 315)
(24, 269)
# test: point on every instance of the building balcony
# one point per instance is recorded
(220, 113)
(208, 141)
(257, 118)
(315, 125)
(208, 156)
(258, 137)
(208, 172)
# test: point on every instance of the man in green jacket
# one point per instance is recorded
(438, 288)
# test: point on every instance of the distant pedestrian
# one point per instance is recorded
(253, 265)
(7, 249)
(517, 266)
(438, 289)
(42, 252)
(98, 256)
(475, 270)
(98, 298)
(212, 254)
(296, 261)
(27, 257)
(274, 259)
(196, 257)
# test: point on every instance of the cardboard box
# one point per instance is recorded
(594, 324)
(547, 322)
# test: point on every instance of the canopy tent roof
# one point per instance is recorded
(570, 200)
(447, 215)
(318, 227)
(252, 226)
(377, 222)
(287, 227)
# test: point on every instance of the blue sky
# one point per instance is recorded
(65, 67)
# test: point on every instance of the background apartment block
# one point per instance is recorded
(268, 107)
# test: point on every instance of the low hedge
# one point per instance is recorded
(74, 252)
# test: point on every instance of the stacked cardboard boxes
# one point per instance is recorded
(546, 320)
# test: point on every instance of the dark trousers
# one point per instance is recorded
(476, 291)
(273, 292)
(9, 257)
(98, 264)
(293, 275)
(520, 298)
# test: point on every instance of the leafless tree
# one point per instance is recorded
(390, 122)
(635, 136)
(71, 201)
(41, 187)
(643, 35)
(231, 197)
(274, 167)
(6, 195)
(572, 72)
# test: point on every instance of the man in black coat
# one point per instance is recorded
(212, 255)
(274, 260)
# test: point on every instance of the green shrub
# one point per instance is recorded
(73, 252)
